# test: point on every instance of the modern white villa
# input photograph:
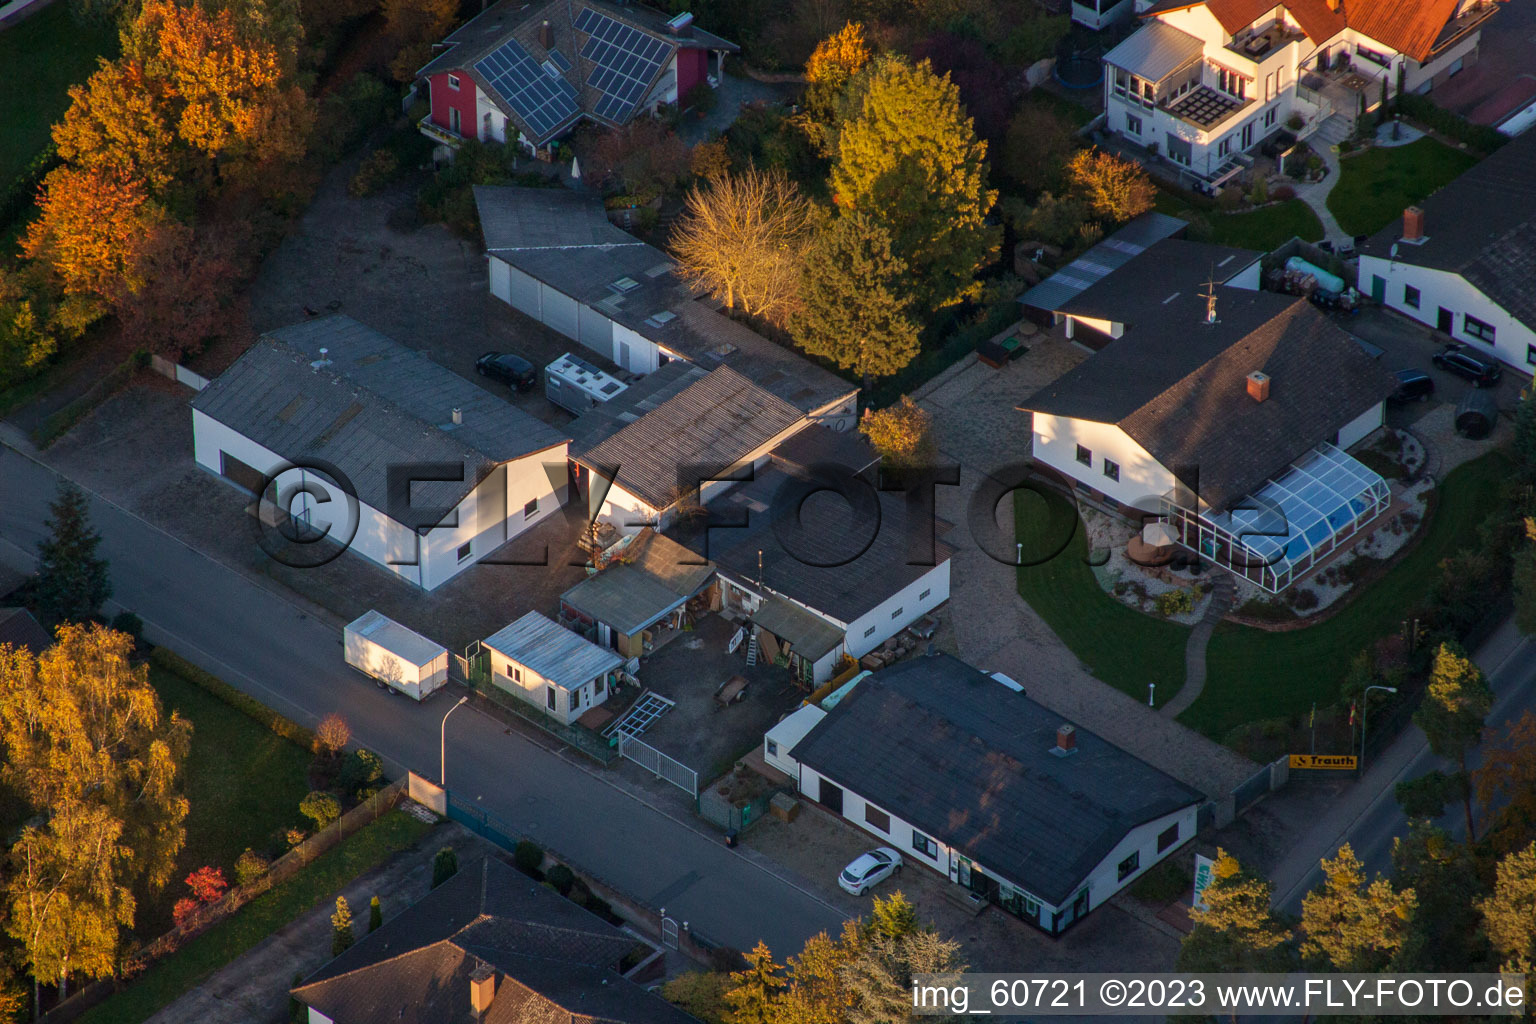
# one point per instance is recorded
(1205, 83)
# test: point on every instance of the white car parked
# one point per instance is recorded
(869, 869)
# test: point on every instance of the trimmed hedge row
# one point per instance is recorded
(1425, 111)
(243, 702)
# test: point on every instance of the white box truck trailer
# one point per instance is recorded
(394, 656)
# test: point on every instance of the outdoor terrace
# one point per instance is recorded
(1205, 108)
(1255, 46)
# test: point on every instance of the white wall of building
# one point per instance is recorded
(899, 836)
(1142, 479)
(1438, 289)
(1356, 430)
(523, 682)
(1104, 881)
(779, 741)
(316, 1017)
(898, 611)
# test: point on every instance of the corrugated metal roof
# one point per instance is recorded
(372, 404)
(397, 639)
(1156, 51)
(708, 427)
(808, 635)
(656, 575)
(1098, 262)
(553, 651)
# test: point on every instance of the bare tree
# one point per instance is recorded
(742, 238)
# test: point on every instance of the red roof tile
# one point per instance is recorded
(1408, 26)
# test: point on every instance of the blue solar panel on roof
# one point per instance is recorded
(559, 59)
(512, 73)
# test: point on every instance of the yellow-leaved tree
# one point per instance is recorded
(911, 161)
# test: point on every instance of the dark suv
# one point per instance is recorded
(1483, 373)
(1413, 386)
(512, 370)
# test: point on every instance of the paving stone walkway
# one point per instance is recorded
(977, 424)
(1222, 599)
(1316, 195)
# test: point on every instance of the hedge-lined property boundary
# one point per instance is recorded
(284, 727)
(61, 420)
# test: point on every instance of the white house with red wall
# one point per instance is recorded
(528, 73)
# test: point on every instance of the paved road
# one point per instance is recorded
(275, 650)
(1369, 817)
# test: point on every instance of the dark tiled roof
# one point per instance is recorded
(19, 629)
(1140, 290)
(553, 961)
(710, 425)
(967, 761)
(374, 404)
(822, 445)
(565, 241)
(1178, 387)
(601, 422)
(1483, 227)
(829, 562)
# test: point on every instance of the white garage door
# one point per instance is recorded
(596, 331)
(522, 290)
(501, 279)
(560, 312)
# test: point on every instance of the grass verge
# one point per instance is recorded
(1120, 645)
(40, 58)
(1375, 186)
(221, 944)
(1253, 674)
(244, 783)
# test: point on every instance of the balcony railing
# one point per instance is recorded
(435, 131)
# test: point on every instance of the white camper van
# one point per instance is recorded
(576, 385)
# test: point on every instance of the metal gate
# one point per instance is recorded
(668, 930)
(659, 764)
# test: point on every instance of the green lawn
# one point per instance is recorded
(182, 970)
(40, 58)
(1263, 229)
(1120, 645)
(243, 781)
(1375, 186)
(1254, 674)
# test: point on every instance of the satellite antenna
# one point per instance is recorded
(1209, 295)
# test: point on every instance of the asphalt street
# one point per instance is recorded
(1372, 820)
(270, 647)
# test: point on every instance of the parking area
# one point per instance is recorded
(688, 670)
(421, 285)
(1407, 344)
(817, 845)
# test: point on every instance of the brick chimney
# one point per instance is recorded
(1258, 385)
(482, 989)
(1066, 740)
(1413, 224)
(546, 35)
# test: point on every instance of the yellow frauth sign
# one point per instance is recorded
(1336, 762)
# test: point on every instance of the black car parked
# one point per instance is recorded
(1483, 373)
(512, 370)
(1413, 386)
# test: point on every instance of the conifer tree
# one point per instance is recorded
(73, 581)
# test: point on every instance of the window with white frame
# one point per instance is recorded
(1410, 296)
(924, 595)
(1133, 124)
(1224, 147)
(869, 632)
(922, 844)
(1476, 328)
(1084, 455)
(876, 818)
(453, 82)
(1112, 469)
(465, 550)
(1129, 865)
(1271, 116)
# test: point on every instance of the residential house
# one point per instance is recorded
(333, 398)
(19, 629)
(1224, 410)
(641, 594)
(662, 464)
(966, 776)
(527, 73)
(488, 946)
(554, 255)
(817, 559)
(1463, 261)
(1204, 82)
(557, 671)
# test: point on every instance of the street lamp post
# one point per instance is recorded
(442, 749)
(1365, 709)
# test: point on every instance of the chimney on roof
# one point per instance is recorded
(546, 35)
(1066, 740)
(458, 416)
(482, 989)
(322, 361)
(1258, 385)
(1413, 224)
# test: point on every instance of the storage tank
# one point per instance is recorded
(1326, 281)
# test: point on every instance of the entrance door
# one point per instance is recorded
(1378, 288)
(831, 797)
(1444, 320)
(1080, 905)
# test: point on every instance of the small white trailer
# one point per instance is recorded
(395, 656)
